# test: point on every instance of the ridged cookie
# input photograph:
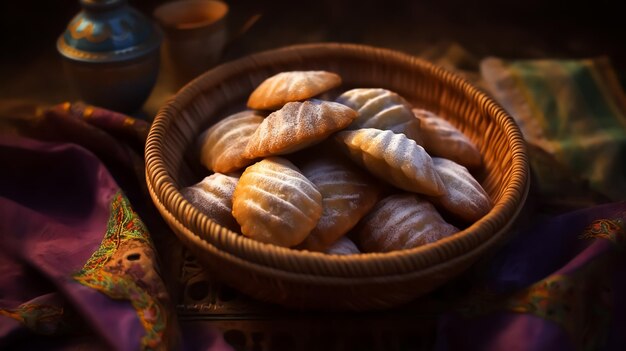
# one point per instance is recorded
(343, 246)
(402, 221)
(213, 197)
(393, 158)
(290, 86)
(464, 196)
(348, 193)
(381, 109)
(296, 126)
(223, 145)
(440, 138)
(274, 203)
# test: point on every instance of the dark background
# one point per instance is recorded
(30, 67)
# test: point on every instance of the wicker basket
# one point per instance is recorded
(305, 279)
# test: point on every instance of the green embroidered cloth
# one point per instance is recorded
(573, 115)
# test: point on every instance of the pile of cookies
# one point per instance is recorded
(361, 172)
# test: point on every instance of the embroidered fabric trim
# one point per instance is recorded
(43, 319)
(125, 278)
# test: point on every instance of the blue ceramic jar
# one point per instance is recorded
(111, 54)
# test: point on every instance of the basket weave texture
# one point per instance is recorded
(303, 279)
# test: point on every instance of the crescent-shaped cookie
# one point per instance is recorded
(284, 87)
(402, 221)
(464, 197)
(442, 139)
(393, 158)
(213, 197)
(223, 145)
(296, 126)
(348, 194)
(274, 203)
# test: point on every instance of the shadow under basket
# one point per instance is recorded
(308, 280)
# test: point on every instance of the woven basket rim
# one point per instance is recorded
(303, 277)
(490, 226)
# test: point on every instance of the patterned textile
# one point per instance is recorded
(123, 268)
(573, 115)
(78, 262)
(558, 285)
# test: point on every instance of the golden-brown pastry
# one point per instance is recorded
(440, 138)
(411, 129)
(381, 109)
(285, 87)
(213, 197)
(296, 126)
(348, 194)
(222, 146)
(464, 197)
(402, 221)
(274, 203)
(393, 158)
(343, 246)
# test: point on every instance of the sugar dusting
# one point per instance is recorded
(274, 192)
(377, 108)
(223, 145)
(347, 195)
(442, 139)
(343, 246)
(297, 125)
(402, 221)
(394, 158)
(213, 197)
(289, 86)
(464, 196)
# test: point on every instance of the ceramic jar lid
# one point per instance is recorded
(108, 31)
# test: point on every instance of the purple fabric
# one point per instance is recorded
(45, 239)
(501, 331)
(78, 269)
(558, 285)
